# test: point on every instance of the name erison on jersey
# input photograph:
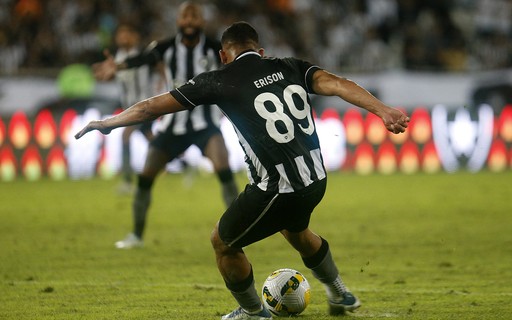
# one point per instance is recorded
(271, 78)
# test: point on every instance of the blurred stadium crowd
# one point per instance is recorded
(348, 35)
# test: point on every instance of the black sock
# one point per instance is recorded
(245, 294)
(324, 269)
(318, 257)
(228, 185)
(141, 203)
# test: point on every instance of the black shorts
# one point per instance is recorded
(174, 145)
(257, 214)
(145, 127)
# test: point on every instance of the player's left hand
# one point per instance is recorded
(93, 125)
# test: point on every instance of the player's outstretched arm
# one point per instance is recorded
(328, 84)
(142, 111)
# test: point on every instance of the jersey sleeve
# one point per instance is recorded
(304, 68)
(308, 70)
(309, 78)
(202, 89)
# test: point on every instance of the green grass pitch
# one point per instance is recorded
(409, 246)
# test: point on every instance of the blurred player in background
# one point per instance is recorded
(189, 53)
(135, 85)
(268, 103)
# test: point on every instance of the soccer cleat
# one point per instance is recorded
(349, 303)
(131, 241)
(241, 314)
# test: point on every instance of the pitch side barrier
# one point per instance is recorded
(439, 139)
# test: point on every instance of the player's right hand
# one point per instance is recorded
(93, 125)
(395, 120)
(106, 69)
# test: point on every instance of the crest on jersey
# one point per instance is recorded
(463, 138)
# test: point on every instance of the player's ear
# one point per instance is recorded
(223, 57)
(261, 51)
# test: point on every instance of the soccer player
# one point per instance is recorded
(135, 86)
(186, 55)
(267, 101)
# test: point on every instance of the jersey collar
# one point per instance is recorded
(246, 53)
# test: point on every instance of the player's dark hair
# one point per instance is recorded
(240, 33)
(128, 24)
(191, 3)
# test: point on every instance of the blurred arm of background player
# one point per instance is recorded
(106, 69)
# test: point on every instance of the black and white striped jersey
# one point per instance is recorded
(267, 101)
(181, 64)
(135, 83)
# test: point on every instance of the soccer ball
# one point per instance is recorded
(286, 292)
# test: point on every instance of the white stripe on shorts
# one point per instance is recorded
(255, 221)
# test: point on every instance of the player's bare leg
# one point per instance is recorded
(237, 274)
(217, 152)
(126, 169)
(155, 163)
(316, 255)
(126, 186)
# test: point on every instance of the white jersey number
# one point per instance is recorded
(272, 117)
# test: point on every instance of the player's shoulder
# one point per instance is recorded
(290, 63)
(209, 77)
(294, 61)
